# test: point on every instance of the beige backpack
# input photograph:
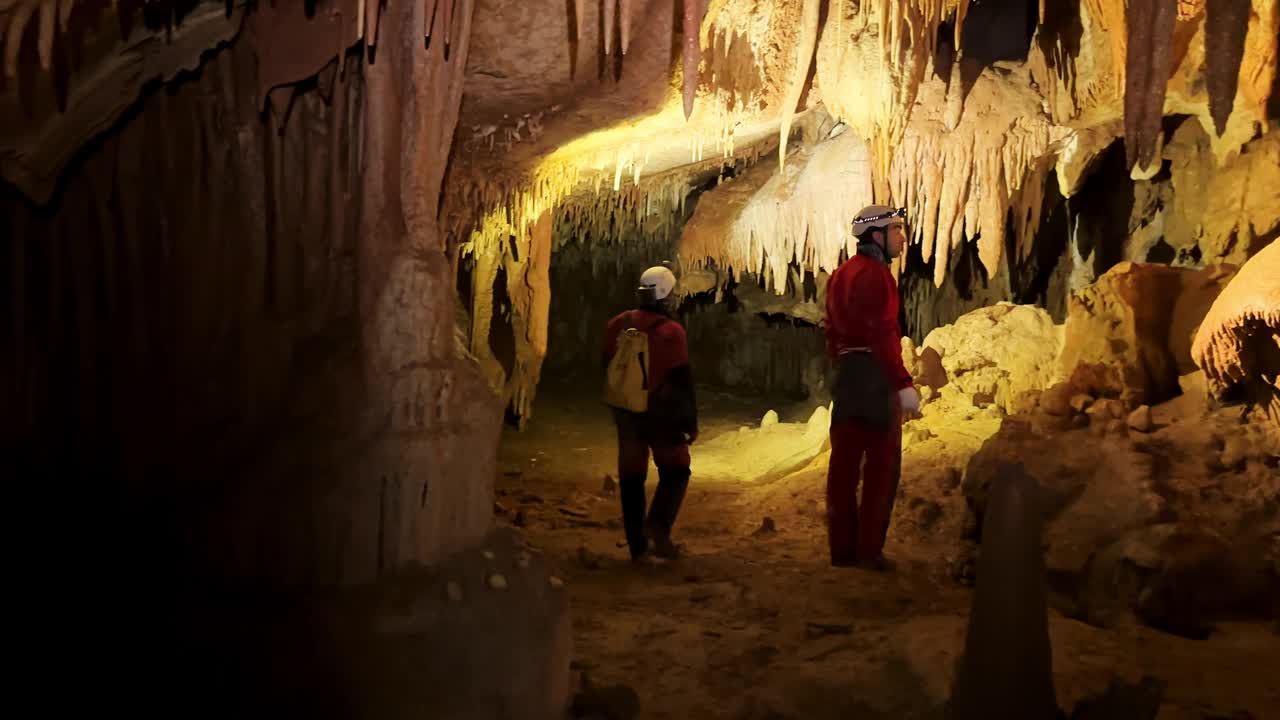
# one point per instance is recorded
(627, 380)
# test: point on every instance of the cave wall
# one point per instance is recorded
(232, 332)
(1192, 212)
(730, 345)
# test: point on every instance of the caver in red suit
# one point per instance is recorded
(871, 393)
(666, 428)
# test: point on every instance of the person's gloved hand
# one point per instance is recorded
(909, 399)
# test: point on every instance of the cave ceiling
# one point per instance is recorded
(964, 107)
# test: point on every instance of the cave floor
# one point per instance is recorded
(756, 624)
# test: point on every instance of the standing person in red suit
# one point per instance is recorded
(650, 388)
(872, 392)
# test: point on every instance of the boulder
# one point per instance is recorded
(484, 634)
(1176, 579)
(1199, 291)
(1057, 400)
(1089, 500)
(1116, 498)
(1128, 335)
(1140, 419)
(996, 354)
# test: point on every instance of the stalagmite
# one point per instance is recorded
(1148, 63)
(799, 72)
(1225, 28)
(610, 6)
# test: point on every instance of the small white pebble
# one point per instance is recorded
(555, 582)
(497, 582)
(454, 591)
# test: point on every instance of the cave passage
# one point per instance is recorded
(303, 305)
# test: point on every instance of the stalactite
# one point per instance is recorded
(13, 40)
(1148, 65)
(447, 25)
(609, 7)
(48, 13)
(624, 19)
(799, 72)
(692, 53)
(373, 11)
(429, 10)
(765, 219)
(1226, 27)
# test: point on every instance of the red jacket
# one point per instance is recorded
(862, 312)
(668, 345)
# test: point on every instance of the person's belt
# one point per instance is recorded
(846, 351)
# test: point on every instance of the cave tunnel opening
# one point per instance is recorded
(258, 441)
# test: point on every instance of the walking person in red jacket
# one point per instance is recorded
(872, 391)
(650, 388)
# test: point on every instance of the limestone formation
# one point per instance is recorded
(275, 273)
(1126, 333)
(1238, 344)
(998, 353)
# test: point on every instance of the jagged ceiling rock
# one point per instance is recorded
(1238, 343)
(765, 220)
(97, 69)
(961, 176)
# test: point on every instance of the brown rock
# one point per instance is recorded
(1235, 452)
(1081, 402)
(1140, 419)
(995, 353)
(1123, 322)
(1199, 291)
(1057, 400)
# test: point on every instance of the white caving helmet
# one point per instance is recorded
(658, 279)
(877, 216)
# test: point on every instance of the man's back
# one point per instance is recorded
(668, 344)
(862, 313)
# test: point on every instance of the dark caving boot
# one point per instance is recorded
(631, 492)
(673, 483)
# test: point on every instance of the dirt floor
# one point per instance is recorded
(753, 622)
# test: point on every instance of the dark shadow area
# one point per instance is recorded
(999, 30)
(1030, 277)
(1101, 210)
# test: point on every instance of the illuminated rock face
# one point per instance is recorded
(1127, 334)
(1004, 354)
(1238, 344)
(603, 111)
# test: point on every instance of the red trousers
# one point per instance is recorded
(857, 534)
